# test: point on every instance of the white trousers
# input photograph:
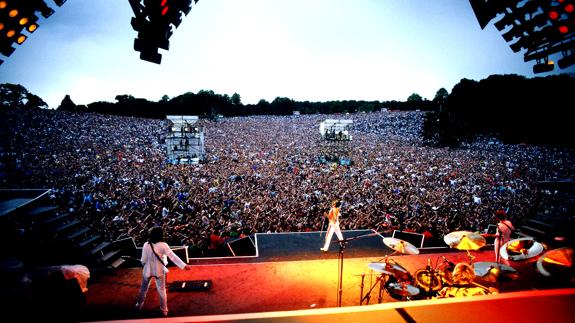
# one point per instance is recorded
(330, 230)
(160, 287)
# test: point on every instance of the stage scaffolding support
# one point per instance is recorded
(335, 140)
(185, 140)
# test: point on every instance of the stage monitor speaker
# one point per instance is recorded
(191, 285)
(415, 239)
(242, 247)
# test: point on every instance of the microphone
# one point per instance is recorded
(447, 261)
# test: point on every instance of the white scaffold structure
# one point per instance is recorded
(335, 129)
(185, 140)
(335, 139)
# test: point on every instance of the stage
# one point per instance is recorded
(296, 276)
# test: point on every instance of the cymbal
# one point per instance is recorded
(494, 272)
(464, 240)
(520, 249)
(556, 262)
(401, 246)
(391, 268)
(403, 289)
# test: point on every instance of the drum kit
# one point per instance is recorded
(393, 277)
(426, 282)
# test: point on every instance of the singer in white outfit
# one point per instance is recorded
(333, 217)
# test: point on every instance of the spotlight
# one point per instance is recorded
(21, 39)
(32, 27)
(543, 67)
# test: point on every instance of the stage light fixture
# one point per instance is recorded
(19, 16)
(21, 39)
(543, 67)
(153, 21)
(46, 12)
(32, 28)
(542, 27)
(566, 61)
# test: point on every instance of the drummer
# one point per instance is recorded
(463, 285)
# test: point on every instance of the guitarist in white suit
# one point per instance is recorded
(155, 254)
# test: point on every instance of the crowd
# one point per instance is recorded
(265, 174)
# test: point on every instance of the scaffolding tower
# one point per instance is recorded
(185, 140)
(335, 140)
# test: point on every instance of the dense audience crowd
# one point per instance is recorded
(267, 174)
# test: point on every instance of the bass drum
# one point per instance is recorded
(429, 282)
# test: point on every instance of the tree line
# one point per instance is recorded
(513, 108)
(208, 104)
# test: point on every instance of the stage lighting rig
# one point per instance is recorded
(540, 27)
(18, 18)
(153, 20)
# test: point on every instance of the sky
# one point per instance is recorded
(314, 50)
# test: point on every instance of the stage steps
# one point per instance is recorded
(553, 220)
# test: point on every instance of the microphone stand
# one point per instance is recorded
(342, 245)
(340, 272)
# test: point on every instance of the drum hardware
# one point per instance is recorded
(403, 289)
(393, 277)
(446, 272)
(381, 280)
(342, 246)
(361, 288)
(428, 279)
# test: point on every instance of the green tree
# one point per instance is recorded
(34, 101)
(124, 98)
(236, 99)
(441, 96)
(67, 104)
(414, 98)
(12, 95)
